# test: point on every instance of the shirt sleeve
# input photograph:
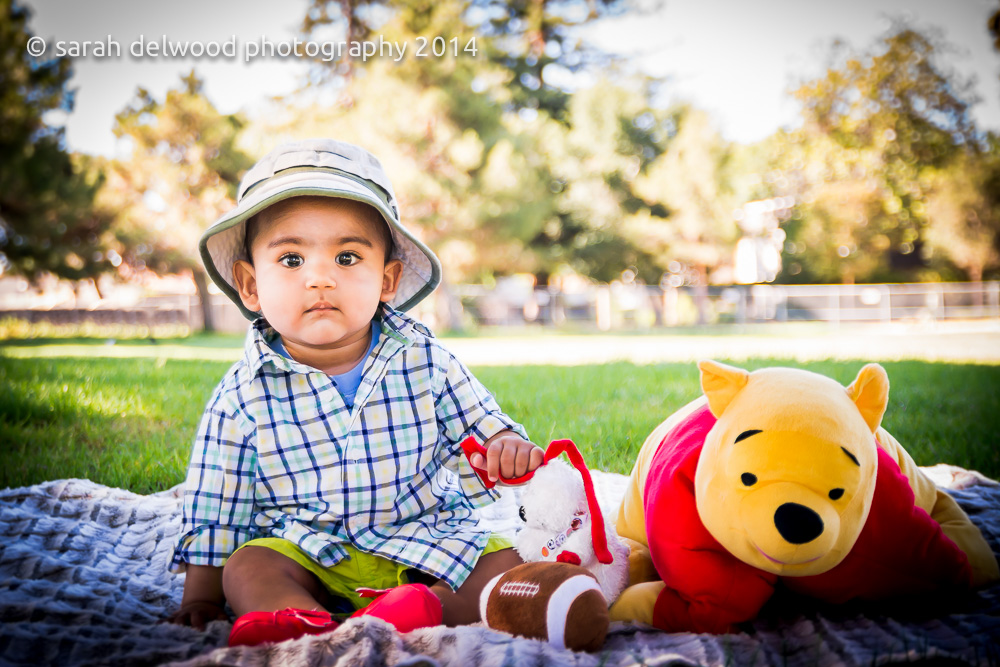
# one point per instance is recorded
(464, 407)
(219, 494)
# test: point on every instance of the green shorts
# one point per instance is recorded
(360, 570)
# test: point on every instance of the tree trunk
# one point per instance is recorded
(448, 308)
(201, 283)
(976, 278)
(701, 294)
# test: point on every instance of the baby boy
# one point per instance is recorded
(327, 469)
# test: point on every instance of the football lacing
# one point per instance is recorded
(520, 588)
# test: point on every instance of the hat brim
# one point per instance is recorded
(223, 243)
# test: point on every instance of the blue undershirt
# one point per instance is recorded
(347, 383)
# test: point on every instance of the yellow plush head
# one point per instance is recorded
(786, 475)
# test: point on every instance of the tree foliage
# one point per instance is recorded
(994, 26)
(528, 40)
(874, 126)
(691, 180)
(181, 176)
(964, 206)
(47, 219)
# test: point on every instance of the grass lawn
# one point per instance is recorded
(129, 421)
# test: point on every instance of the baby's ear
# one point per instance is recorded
(390, 279)
(246, 284)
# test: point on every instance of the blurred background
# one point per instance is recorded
(616, 188)
(576, 164)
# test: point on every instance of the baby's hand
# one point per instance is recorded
(508, 455)
(197, 614)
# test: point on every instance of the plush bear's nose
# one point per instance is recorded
(797, 523)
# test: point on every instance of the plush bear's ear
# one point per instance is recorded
(870, 392)
(720, 384)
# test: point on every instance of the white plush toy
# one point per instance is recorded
(575, 564)
(563, 520)
(563, 523)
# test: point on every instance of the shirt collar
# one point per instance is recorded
(401, 327)
(256, 350)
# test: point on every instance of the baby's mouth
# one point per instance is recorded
(319, 307)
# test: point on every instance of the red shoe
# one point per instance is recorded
(406, 608)
(258, 627)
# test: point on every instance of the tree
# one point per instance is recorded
(182, 175)
(873, 125)
(994, 26)
(689, 179)
(47, 219)
(535, 40)
(594, 159)
(838, 193)
(964, 205)
(526, 39)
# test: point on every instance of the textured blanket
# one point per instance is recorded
(84, 581)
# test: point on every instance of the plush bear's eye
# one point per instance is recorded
(748, 478)
(836, 494)
(521, 514)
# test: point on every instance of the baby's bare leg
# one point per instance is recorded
(461, 607)
(261, 579)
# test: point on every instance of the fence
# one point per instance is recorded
(610, 307)
(618, 305)
(172, 311)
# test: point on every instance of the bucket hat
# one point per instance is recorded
(326, 168)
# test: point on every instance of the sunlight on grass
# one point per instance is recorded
(130, 423)
(122, 424)
(126, 351)
(965, 343)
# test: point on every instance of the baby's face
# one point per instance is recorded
(319, 271)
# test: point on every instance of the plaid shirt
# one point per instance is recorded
(279, 454)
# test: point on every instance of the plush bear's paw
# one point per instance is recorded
(558, 602)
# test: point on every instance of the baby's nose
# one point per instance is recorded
(321, 275)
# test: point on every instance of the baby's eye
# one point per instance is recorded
(348, 258)
(291, 260)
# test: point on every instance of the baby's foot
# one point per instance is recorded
(258, 627)
(406, 608)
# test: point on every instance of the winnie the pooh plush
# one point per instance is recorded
(784, 474)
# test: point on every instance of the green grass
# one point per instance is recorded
(129, 421)
(125, 423)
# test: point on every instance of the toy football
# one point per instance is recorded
(557, 602)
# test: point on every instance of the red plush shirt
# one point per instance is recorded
(901, 549)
